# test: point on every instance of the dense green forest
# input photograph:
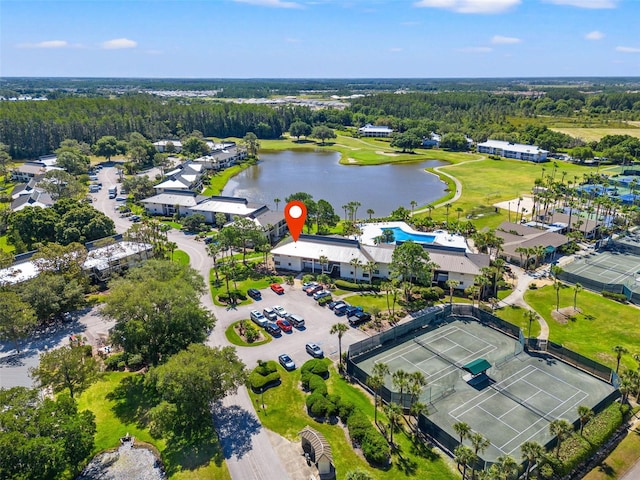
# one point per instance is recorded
(503, 109)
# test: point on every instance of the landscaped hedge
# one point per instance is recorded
(324, 300)
(238, 295)
(618, 297)
(361, 430)
(316, 366)
(353, 286)
(265, 374)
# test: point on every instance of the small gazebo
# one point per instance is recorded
(476, 370)
(319, 450)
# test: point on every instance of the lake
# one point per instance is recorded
(382, 188)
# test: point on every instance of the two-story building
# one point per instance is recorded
(518, 151)
(375, 131)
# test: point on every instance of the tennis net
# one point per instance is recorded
(439, 354)
(518, 400)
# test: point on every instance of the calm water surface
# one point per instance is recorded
(382, 188)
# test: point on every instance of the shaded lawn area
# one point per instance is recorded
(258, 282)
(220, 179)
(285, 414)
(515, 314)
(4, 246)
(120, 405)
(593, 333)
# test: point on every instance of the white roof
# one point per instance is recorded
(512, 147)
(176, 143)
(342, 252)
(373, 128)
(220, 206)
(172, 199)
(172, 184)
(99, 258)
(18, 273)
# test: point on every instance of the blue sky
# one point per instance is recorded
(319, 38)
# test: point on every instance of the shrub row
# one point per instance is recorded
(265, 374)
(324, 300)
(236, 295)
(122, 360)
(618, 297)
(353, 286)
(322, 404)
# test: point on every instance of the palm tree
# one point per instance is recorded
(340, 329)
(506, 467)
(479, 444)
(464, 456)
(355, 263)
(520, 251)
(561, 429)
(370, 267)
(533, 452)
(430, 208)
(619, 350)
(452, 284)
(532, 316)
(413, 204)
(463, 429)
(557, 286)
(172, 247)
(416, 383)
(577, 288)
(417, 409)
(214, 249)
(376, 381)
(277, 202)
(324, 262)
(447, 206)
(394, 414)
(400, 380)
(585, 413)
(459, 210)
(370, 212)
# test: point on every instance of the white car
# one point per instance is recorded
(281, 312)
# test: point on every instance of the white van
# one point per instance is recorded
(296, 320)
(113, 192)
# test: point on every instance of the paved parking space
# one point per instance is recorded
(318, 322)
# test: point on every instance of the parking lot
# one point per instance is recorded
(318, 322)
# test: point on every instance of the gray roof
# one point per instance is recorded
(516, 235)
(184, 199)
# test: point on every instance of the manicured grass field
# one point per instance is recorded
(621, 459)
(515, 314)
(119, 405)
(243, 286)
(180, 257)
(285, 414)
(595, 134)
(368, 300)
(220, 179)
(602, 324)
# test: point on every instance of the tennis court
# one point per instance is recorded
(606, 267)
(513, 402)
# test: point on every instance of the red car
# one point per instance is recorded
(284, 325)
(276, 287)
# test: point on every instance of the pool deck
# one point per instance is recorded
(441, 237)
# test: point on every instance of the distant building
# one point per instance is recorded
(186, 176)
(161, 146)
(431, 141)
(222, 155)
(530, 153)
(375, 131)
(515, 235)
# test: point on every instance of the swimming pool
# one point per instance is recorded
(402, 236)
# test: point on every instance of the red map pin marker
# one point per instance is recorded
(295, 213)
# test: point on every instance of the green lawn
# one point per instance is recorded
(5, 246)
(515, 314)
(595, 134)
(602, 324)
(180, 257)
(367, 301)
(220, 179)
(242, 285)
(119, 405)
(235, 339)
(285, 414)
(620, 461)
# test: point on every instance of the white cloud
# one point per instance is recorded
(46, 44)
(470, 6)
(628, 49)
(271, 3)
(595, 35)
(591, 4)
(501, 40)
(118, 43)
(475, 50)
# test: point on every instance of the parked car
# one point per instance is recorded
(270, 314)
(286, 362)
(308, 285)
(321, 294)
(284, 325)
(358, 318)
(135, 218)
(314, 350)
(336, 303)
(281, 312)
(295, 320)
(258, 318)
(351, 310)
(341, 309)
(254, 293)
(276, 287)
(311, 290)
(272, 328)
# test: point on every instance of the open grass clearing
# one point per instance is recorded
(620, 460)
(285, 413)
(220, 179)
(242, 285)
(119, 405)
(368, 300)
(601, 325)
(4, 246)
(595, 134)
